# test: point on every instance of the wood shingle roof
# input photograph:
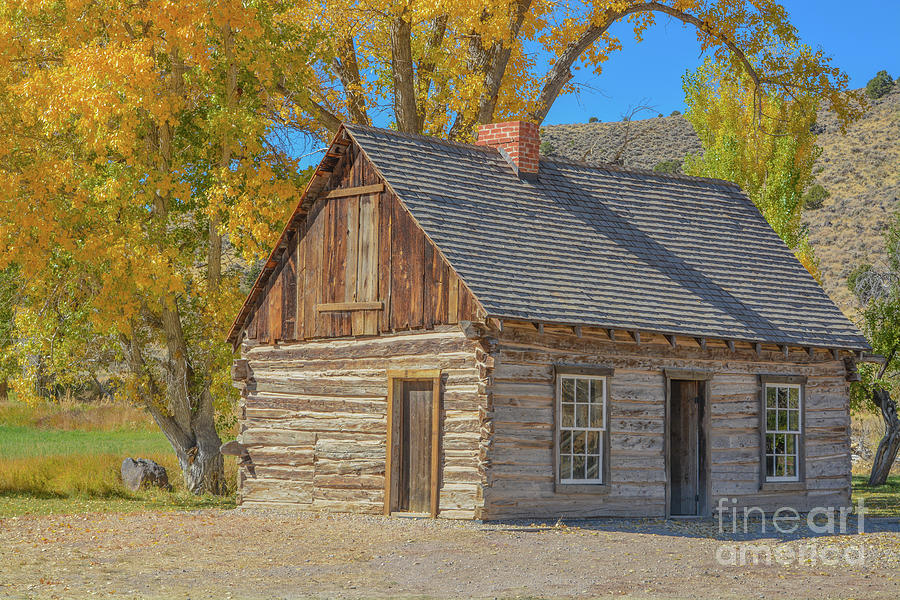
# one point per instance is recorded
(608, 247)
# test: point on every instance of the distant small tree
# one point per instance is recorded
(879, 85)
(877, 289)
(674, 113)
(593, 120)
(547, 148)
(815, 196)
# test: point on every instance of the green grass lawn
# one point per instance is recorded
(66, 459)
(27, 442)
(881, 501)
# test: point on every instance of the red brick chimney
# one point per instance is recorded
(519, 141)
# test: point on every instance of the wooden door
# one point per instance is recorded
(687, 473)
(414, 489)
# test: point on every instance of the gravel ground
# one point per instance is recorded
(264, 553)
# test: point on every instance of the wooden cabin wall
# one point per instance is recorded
(313, 418)
(362, 248)
(519, 437)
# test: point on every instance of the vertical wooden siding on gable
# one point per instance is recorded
(360, 248)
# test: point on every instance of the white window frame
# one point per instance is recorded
(798, 433)
(602, 431)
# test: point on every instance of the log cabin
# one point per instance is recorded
(478, 332)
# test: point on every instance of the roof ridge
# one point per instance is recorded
(419, 136)
(608, 167)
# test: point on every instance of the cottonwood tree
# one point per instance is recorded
(443, 67)
(764, 143)
(133, 136)
(877, 288)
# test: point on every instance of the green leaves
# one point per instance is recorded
(877, 289)
(764, 144)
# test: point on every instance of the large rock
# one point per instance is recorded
(143, 472)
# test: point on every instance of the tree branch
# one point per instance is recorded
(425, 69)
(347, 69)
(560, 74)
(322, 115)
(492, 63)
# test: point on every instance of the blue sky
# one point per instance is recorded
(862, 37)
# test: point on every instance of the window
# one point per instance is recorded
(581, 430)
(783, 431)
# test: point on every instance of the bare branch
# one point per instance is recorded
(560, 74)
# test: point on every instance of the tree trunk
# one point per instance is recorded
(4, 390)
(890, 443)
(405, 111)
(188, 417)
(202, 465)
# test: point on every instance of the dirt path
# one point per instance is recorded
(278, 554)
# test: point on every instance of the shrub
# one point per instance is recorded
(593, 120)
(668, 166)
(547, 148)
(674, 113)
(879, 85)
(814, 197)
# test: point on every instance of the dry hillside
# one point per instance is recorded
(861, 170)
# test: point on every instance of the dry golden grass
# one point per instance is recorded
(76, 416)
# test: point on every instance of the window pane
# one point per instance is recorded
(597, 391)
(597, 416)
(782, 397)
(779, 466)
(568, 415)
(578, 439)
(794, 420)
(793, 397)
(565, 466)
(565, 442)
(578, 467)
(770, 397)
(790, 467)
(790, 444)
(779, 420)
(770, 420)
(593, 467)
(770, 466)
(770, 443)
(779, 443)
(582, 393)
(581, 415)
(593, 446)
(568, 389)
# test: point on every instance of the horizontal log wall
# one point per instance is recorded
(358, 265)
(519, 441)
(314, 420)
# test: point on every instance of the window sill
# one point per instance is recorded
(783, 486)
(581, 488)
